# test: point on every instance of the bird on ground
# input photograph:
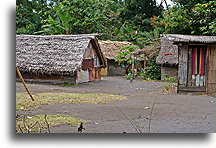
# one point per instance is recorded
(80, 128)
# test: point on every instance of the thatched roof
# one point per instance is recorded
(110, 49)
(149, 51)
(54, 54)
(190, 38)
(168, 53)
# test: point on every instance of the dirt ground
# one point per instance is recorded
(146, 107)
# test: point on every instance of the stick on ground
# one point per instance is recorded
(21, 78)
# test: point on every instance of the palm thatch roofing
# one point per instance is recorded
(53, 54)
(169, 51)
(190, 38)
(149, 51)
(110, 49)
(168, 54)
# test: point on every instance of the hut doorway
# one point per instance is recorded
(197, 66)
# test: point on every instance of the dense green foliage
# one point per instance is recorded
(138, 12)
(30, 15)
(119, 20)
(197, 19)
(126, 54)
(136, 21)
(152, 72)
(82, 16)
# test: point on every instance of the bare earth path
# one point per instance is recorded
(170, 114)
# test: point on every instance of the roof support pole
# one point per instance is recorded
(21, 78)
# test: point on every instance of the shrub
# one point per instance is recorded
(171, 80)
(128, 76)
(153, 71)
(66, 84)
(167, 86)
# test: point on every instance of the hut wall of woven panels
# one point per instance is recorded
(196, 63)
(59, 58)
(167, 72)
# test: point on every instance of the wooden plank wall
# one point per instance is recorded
(211, 78)
(190, 80)
(45, 78)
(183, 64)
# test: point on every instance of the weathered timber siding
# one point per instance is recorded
(45, 78)
(90, 66)
(183, 64)
(87, 63)
(198, 82)
(191, 82)
(95, 74)
(211, 78)
(82, 76)
(104, 71)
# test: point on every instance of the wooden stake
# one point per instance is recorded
(133, 65)
(21, 78)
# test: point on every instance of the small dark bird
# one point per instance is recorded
(80, 128)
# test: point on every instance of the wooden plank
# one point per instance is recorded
(183, 64)
(204, 80)
(211, 88)
(192, 89)
(211, 78)
(190, 80)
(87, 63)
(212, 63)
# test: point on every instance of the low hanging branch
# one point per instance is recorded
(21, 78)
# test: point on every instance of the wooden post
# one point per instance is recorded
(21, 78)
(133, 65)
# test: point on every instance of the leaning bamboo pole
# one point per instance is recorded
(21, 78)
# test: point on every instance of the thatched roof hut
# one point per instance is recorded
(168, 54)
(196, 62)
(110, 49)
(53, 54)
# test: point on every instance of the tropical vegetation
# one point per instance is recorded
(136, 21)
